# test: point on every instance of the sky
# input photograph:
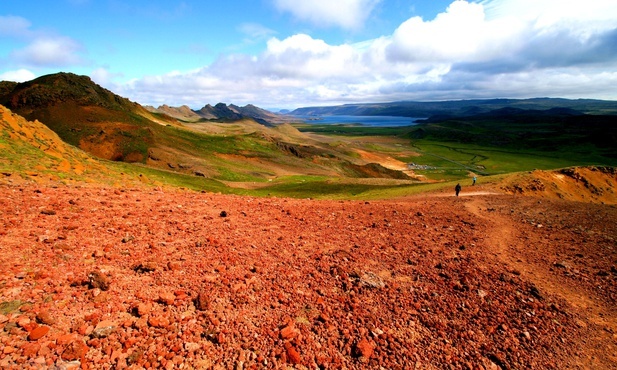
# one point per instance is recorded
(279, 54)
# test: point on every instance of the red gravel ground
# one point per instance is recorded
(107, 278)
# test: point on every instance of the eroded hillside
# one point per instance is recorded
(32, 148)
(581, 184)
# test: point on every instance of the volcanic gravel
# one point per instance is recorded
(131, 278)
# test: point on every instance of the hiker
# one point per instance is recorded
(457, 189)
(474, 180)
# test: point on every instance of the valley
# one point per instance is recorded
(138, 237)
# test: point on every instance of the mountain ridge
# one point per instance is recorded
(459, 108)
(222, 112)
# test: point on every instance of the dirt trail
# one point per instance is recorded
(505, 236)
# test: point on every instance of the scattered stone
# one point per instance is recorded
(534, 291)
(202, 302)
(30, 349)
(98, 253)
(43, 317)
(223, 214)
(48, 212)
(38, 332)
(158, 321)
(371, 280)
(561, 264)
(148, 266)
(74, 350)
(364, 348)
(96, 280)
(143, 309)
(293, 356)
(134, 357)
(289, 332)
(191, 347)
(23, 321)
(167, 298)
(103, 329)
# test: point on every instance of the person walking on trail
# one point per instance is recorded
(474, 180)
(457, 189)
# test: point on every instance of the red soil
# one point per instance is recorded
(172, 279)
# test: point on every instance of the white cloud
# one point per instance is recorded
(347, 14)
(548, 13)
(42, 48)
(104, 77)
(50, 52)
(20, 75)
(473, 49)
(460, 33)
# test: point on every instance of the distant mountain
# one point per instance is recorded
(460, 108)
(222, 112)
(183, 113)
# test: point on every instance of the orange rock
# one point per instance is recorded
(293, 356)
(202, 302)
(96, 279)
(364, 348)
(45, 318)
(65, 339)
(22, 321)
(144, 309)
(38, 332)
(288, 332)
(75, 350)
(30, 349)
(158, 322)
(167, 298)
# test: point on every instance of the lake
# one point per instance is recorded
(375, 121)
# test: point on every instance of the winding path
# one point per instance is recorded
(509, 247)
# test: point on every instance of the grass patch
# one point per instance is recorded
(7, 307)
(352, 130)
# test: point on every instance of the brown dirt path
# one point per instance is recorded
(512, 245)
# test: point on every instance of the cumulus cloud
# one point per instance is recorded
(104, 77)
(493, 48)
(460, 33)
(42, 48)
(50, 52)
(20, 75)
(347, 14)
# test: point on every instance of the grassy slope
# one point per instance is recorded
(454, 149)
(302, 161)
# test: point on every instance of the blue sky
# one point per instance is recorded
(289, 53)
